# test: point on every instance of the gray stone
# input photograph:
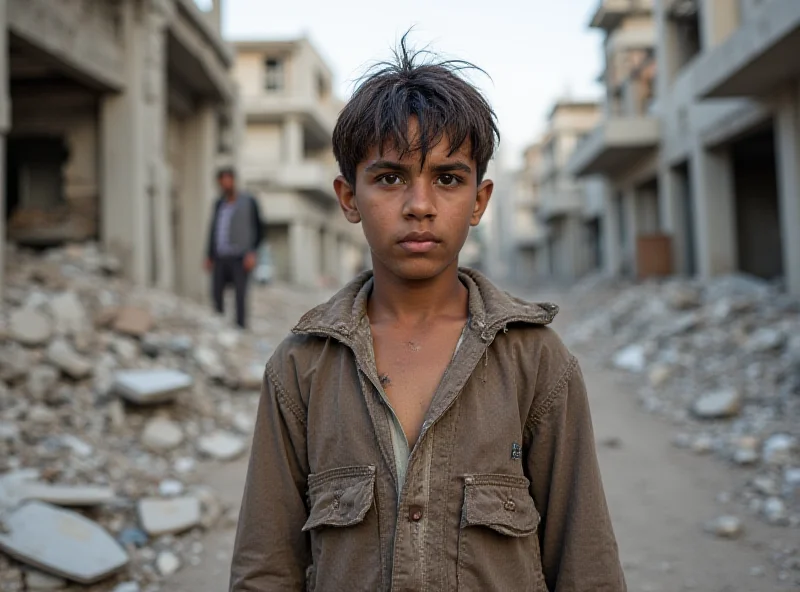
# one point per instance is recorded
(221, 445)
(209, 363)
(37, 580)
(61, 542)
(30, 327)
(76, 445)
(167, 563)
(9, 432)
(68, 312)
(631, 358)
(161, 434)
(779, 449)
(151, 345)
(127, 587)
(765, 485)
(180, 344)
(775, 512)
(42, 379)
(61, 354)
(746, 452)
(659, 375)
(765, 339)
(791, 481)
(170, 488)
(718, 405)
(172, 516)
(14, 363)
(703, 444)
(244, 423)
(127, 351)
(150, 386)
(726, 527)
(251, 377)
(66, 495)
(42, 416)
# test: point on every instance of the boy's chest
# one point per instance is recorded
(410, 365)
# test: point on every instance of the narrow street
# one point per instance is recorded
(660, 498)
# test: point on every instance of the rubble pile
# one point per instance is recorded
(110, 396)
(721, 359)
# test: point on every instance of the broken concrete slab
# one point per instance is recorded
(221, 445)
(160, 516)
(150, 386)
(718, 405)
(30, 327)
(161, 434)
(133, 321)
(61, 354)
(66, 495)
(61, 542)
(68, 312)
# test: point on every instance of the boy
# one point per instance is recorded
(422, 431)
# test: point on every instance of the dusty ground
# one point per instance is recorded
(659, 496)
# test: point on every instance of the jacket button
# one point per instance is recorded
(415, 513)
(510, 506)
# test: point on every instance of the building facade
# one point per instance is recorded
(287, 162)
(114, 116)
(727, 149)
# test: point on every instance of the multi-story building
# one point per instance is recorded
(114, 116)
(287, 161)
(567, 206)
(728, 162)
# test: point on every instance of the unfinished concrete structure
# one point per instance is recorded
(567, 208)
(287, 161)
(728, 161)
(115, 115)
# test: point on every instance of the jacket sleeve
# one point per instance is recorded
(259, 228)
(577, 543)
(271, 553)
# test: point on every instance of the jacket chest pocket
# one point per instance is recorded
(498, 548)
(343, 528)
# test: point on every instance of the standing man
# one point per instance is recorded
(233, 241)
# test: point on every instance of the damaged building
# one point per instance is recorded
(115, 115)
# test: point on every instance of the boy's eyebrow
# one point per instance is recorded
(451, 166)
(387, 164)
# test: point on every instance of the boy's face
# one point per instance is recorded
(415, 217)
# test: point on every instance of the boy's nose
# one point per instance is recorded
(420, 201)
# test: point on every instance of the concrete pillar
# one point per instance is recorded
(197, 199)
(631, 221)
(215, 15)
(5, 124)
(670, 202)
(719, 19)
(612, 254)
(304, 247)
(125, 215)
(787, 138)
(292, 140)
(715, 218)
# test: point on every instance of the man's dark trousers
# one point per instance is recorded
(230, 270)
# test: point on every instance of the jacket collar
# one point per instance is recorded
(491, 309)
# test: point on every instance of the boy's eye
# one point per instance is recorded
(448, 180)
(390, 179)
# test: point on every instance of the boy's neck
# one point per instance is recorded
(410, 302)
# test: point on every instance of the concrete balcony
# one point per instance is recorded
(311, 177)
(273, 108)
(628, 39)
(760, 56)
(614, 144)
(561, 203)
(609, 13)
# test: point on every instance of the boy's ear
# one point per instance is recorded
(481, 201)
(347, 199)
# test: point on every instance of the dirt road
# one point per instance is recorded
(660, 497)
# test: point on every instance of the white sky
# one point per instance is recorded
(535, 51)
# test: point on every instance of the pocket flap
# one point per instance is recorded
(500, 502)
(340, 497)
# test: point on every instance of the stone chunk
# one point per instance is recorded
(167, 563)
(718, 405)
(30, 327)
(41, 380)
(726, 527)
(61, 354)
(150, 386)
(61, 542)
(251, 377)
(37, 580)
(159, 517)
(68, 312)
(133, 321)
(221, 445)
(66, 495)
(161, 434)
(775, 511)
(209, 362)
(631, 358)
(778, 449)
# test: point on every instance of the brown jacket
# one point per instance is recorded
(502, 491)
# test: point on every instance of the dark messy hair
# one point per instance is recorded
(415, 84)
(226, 171)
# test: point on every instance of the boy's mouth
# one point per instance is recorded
(419, 242)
